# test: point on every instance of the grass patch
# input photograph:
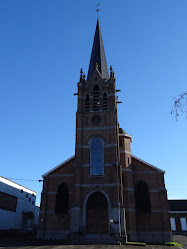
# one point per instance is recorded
(173, 244)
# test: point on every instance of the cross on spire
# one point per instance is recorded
(98, 55)
(98, 10)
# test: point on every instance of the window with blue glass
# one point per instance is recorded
(96, 157)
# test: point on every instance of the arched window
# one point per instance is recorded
(96, 101)
(142, 197)
(96, 156)
(105, 101)
(87, 103)
(62, 199)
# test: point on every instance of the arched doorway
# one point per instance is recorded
(97, 214)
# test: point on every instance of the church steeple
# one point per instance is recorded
(98, 55)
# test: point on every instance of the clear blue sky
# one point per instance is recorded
(43, 45)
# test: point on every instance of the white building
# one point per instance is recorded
(18, 211)
(178, 216)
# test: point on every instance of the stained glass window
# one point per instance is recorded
(96, 157)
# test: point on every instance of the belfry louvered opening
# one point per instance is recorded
(96, 101)
(105, 101)
(87, 103)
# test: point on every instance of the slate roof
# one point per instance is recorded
(178, 205)
(98, 55)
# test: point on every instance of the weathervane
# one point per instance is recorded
(98, 9)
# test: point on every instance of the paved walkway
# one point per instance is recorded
(181, 239)
(23, 243)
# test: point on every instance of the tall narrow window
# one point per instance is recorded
(173, 224)
(142, 197)
(96, 101)
(105, 101)
(183, 224)
(62, 199)
(96, 156)
(87, 103)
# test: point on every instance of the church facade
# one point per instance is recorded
(103, 190)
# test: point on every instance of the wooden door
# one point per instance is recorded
(97, 214)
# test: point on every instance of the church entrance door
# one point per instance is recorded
(97, 214)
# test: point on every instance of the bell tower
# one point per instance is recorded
(103, 192)
(97, 163)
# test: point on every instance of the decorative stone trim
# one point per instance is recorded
(105, 146)
(97, 185)
(91, 97)
(127, 170)
(151, 190)
(97, 128)
(125, 151)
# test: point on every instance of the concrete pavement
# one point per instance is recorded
(30, 243)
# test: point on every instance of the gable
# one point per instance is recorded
(60, 168)
(97, 75)
(140, 165)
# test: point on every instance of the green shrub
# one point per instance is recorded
(173, 244)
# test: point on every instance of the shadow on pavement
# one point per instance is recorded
(19, 241)
(26, 240)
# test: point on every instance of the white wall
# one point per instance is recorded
(10, 219)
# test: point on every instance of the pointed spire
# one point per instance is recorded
(98, 55)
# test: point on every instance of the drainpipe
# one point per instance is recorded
(119, 178)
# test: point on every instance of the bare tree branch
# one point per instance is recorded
(180, 105)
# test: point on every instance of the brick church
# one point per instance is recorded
(103, 191)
